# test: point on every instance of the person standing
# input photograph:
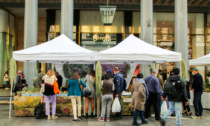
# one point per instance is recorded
(155, 91)
(90, 82)
(197, 88)
(6, 80)
(50, 89)
(107, 86)
(187, 107)
(175, 102)
(59, 80)
(139, 98)
(74, 91)
(18, 82)
(118, 83)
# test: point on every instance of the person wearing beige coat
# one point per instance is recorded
(138, 99)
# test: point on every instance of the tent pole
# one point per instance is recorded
(10, 102)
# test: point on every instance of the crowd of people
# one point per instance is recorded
(145, 93)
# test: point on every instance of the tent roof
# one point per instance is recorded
(201, 61)
(60, 49)
(136, 50)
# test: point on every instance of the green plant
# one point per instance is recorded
(184, 70)
(12, 71)
(208, 74)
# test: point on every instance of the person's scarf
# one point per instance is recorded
(142, 80)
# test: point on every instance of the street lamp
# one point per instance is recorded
(107, 14)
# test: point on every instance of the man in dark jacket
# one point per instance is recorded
(175, 103)
(154, 88)
(118, 83)
(197, 87)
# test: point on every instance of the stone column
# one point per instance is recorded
(30, 36)
(181, 35)
(67, 15)
(146, 29)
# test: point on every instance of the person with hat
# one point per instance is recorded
(197, 88)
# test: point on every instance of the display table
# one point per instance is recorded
(24, 105)
(205, 99)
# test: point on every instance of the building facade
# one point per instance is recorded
(83, 23)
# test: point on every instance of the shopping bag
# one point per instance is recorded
(164, 108)
(116, 107)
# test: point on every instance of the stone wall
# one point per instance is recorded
(41, 35)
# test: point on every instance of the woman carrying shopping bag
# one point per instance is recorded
(50, 89)
(74, 91)
(138, 99)
(108, 88)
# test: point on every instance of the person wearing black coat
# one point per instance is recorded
(197, 88)
(175, 103)
(187, 107)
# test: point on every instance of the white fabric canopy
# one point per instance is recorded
(133, 49)
(201, 61)
(58, 50)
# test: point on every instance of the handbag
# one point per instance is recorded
(116, 106)
(84, 91)
(164, 108)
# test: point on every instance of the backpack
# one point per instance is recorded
(170, 88)
(124, 84)
(38, 110)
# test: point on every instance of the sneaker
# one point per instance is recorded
(144, 122)
(201, 117)
(74, 120)
(162, 123)
(49, 117)
(135, 124)
(196, 117)
(54, 117)
(101, 119)
(79, 118)
(107, 119)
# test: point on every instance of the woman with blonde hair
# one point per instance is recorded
(49, 89)
(74, 91)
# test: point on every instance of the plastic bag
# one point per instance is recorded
(116, 107)
(164, 108)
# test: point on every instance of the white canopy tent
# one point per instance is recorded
(201, 61)
(58, 50)
(135, 51)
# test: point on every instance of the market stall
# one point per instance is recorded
(135, 51)
(132, 51)
(59, 51)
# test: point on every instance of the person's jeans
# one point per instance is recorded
(47, 104)
(106, 105)
(197, 103)
(135, 116)
(154, 99)
(73, 101)
(7, 83)
(177, 106)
